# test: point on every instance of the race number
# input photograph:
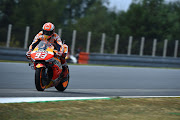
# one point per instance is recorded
(40, 55)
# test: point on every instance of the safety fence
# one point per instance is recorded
(18, 54)
(129, 48)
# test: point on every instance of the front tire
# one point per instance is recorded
(39, 79)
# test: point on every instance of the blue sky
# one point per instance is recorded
(124, 4)
(120, 4)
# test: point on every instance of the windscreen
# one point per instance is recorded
(43, 45)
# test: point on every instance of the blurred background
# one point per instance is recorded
(141, 19)
(142, 33)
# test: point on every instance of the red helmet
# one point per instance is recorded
(48, 30)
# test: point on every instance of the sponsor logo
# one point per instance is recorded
(41, 50)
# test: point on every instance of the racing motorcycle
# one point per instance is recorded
(47, 67)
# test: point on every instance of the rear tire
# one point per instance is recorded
(39, 80)
(63, 84)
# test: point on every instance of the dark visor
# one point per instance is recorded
(49, 33)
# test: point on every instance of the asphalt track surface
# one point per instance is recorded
(17, 80)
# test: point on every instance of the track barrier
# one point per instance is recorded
(15, 54)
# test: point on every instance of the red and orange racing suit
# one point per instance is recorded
(56, 42)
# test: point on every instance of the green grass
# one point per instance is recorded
(113, 109)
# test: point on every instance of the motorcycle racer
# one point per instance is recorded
(48, 33)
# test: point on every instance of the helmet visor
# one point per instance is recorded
(49, 33)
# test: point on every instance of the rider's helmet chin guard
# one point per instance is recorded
(48, 30)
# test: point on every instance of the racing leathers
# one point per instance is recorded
(55, 40)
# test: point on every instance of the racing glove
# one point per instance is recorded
(28, 54)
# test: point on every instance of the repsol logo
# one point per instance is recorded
(40, 50)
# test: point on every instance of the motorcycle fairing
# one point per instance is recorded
(44, 51)
(44, 55)
(56, 71)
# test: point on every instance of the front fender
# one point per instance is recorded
(40, 65)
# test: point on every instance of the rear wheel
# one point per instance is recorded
(40, 81)
(63, 83)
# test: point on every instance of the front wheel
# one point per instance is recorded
(40, 81)
(63, 84)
